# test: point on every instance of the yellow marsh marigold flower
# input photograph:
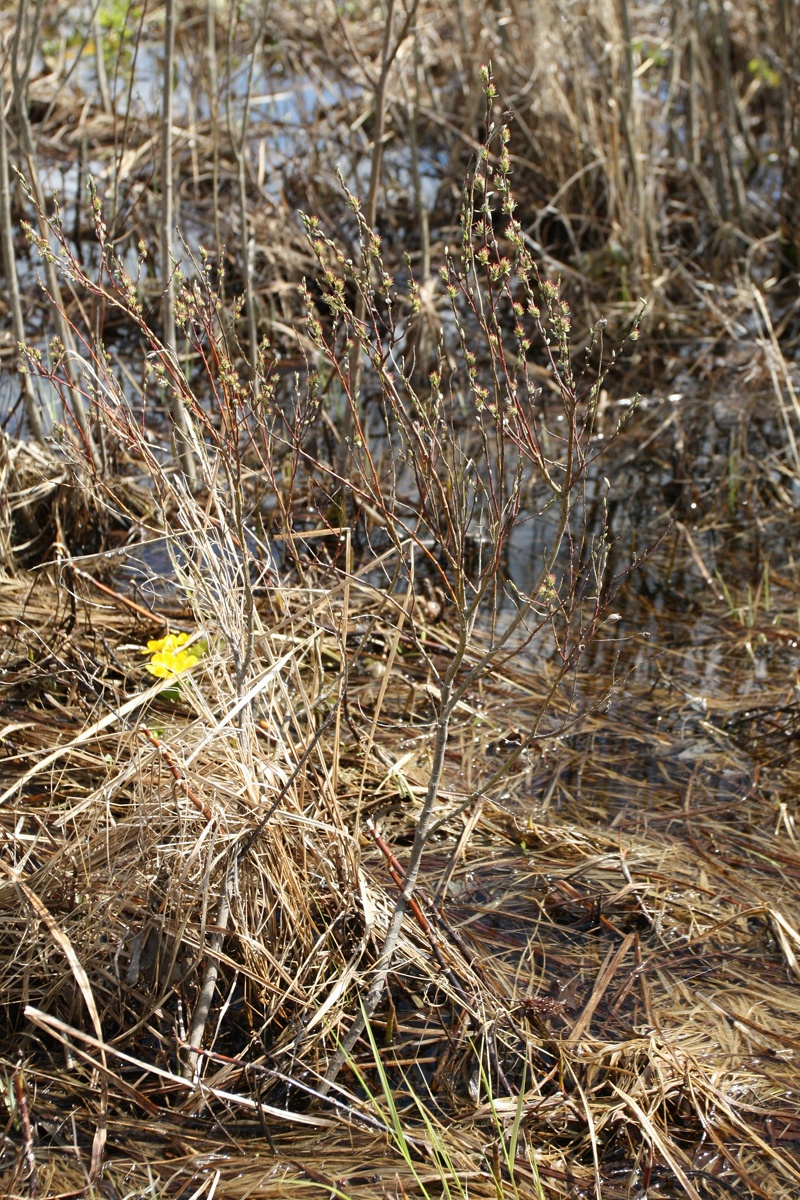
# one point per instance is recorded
(168, 658)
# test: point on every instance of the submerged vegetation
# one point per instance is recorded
(399, 610)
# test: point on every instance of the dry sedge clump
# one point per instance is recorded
(396, 878)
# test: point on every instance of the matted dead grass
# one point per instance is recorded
(596, 993)
(605, 957)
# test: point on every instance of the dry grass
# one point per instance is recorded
(618, 935)
(596, 992)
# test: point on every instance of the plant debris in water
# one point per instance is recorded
(446, 844)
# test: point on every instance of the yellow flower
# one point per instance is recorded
(171, 642)
(168, 658)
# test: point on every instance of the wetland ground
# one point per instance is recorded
(399, 690)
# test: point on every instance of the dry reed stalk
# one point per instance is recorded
(238, 138)
(168, 266)
(391, 45)
(21, 56)
(32, 414)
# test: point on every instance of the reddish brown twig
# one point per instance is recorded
(399, 876)
(139, 609)
(180, 779)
